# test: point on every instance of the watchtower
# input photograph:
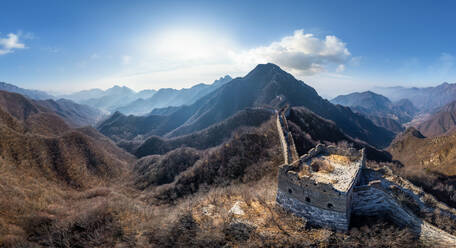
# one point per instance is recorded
(319, 186)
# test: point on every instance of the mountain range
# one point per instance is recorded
(265, 86)
(379, 109)
(425, 99)
(33, 94)
(440, 122)
(127, 101)
(172, 177)
(171, 97)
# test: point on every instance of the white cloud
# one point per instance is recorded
(10, 43)
(340, 68)
(300, 53)
(183, 57)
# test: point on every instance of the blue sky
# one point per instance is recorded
(335, 46)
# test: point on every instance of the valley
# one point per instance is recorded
(206, 173)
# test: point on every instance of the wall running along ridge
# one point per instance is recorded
(374, 195)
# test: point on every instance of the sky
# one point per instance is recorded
(336, 47)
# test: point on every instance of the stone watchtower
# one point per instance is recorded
(319, 185)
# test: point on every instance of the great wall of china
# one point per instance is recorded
(329, 184)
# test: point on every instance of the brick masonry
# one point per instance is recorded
(368, 195)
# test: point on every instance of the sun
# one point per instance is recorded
(189, 44)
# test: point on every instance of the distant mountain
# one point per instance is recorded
(112, 98)
(108, 100)
(33, 94)
(127, 101)
(75, 114)
(417, 152)
(425, 99)
(171, 97)
(84, 95)
(266, 85)
(370, 103)
(441, 122)
(379, 109)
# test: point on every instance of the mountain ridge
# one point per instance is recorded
(267, 85)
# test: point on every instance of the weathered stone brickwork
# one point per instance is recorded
(328, 198)
(316, 196)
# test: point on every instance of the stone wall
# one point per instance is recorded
(317, 216)
(373, 200)
(290, 153)
(374, 195)
(318, 195)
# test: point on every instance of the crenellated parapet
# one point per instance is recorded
(319, 186)
(330, 183)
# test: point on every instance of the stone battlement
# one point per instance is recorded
(330, 183)
(320, 184)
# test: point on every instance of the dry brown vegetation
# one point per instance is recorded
(428, 163)
(321, 165)
(432, 200)
(77, 189)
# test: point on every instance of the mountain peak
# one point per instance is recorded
(267, 72)
(267, 67)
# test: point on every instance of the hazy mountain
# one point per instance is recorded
(266, 85)
(441, 122)
(379, 109)
(112, 98)
(171, 97)
(425, 99)
(33, 94)
(77, 115)
(84, 95)
(370, 103)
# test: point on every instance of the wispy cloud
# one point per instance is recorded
(10, 43)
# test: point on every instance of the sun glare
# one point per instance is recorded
(187, 44)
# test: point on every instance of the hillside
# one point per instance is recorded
(309, 129)
(210, 137)
(266, 85)
(434, 154)
(42, 141)
(428, 162)
(45, 168)
(441, 122)
(425, 99)
(76, 187)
